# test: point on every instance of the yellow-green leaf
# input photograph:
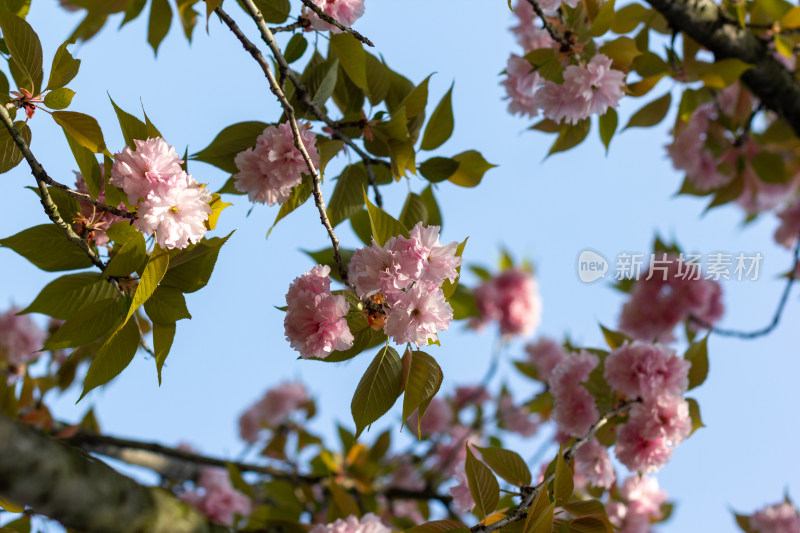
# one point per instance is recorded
(83, 128)
(652, 113)
(64, 69)
(471, 168)
(160, 21)
(723, 73)
(379, 388)
(59, 98)
(10, 154)
(351, 56)
(26, 51)
(113, 357)
(422, 381)
(384, 225)
(507, 464)
(482, 485)
(153, 274)
(603, 20)
(440, 125)
(697, 354)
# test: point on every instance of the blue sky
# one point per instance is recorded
(545, 210)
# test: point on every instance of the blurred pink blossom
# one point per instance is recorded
(512, 299)
(20, 338)
(215, 497)
(437, 418)
(779, 518)
(641, 370)
(594, 464)
(545, 354)
(369, 523)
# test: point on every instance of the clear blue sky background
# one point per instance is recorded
(546, 210)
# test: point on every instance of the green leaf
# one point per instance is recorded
(540, 514)
(113, 357)
(384, 225)
(463, 303)
(652, 113)
(10, 154)
(614, 339)
(64, 69)
(300, 193)
(438, 169)
(604, 19)
(132, 128)
(743, 521)
(697, 354)
(592, 524)
(422, 382)
(325, 257)
(59, 98)
(160, 21)
(47, 247)
(440, 125)
(163, 336)
(507, 464)
(608, 126)
(622, 51)
(275, 11)
(437, 526)
(344, 504)
(89, 324)
(694, 414)
(563, 484)
(130, 257)
(348, 195)
(377, 79)
(482, 485)
(166, 306)
(770, 167)
(135, 8)
(723, 73)
(26, 51)
(217, 207)
(414, 211)
(191, 270)
(152, 131)
(65, 296)
(379, 388)
(571, 135)
(154, 272)
(229, 142)
(295, 48)
(471, 168)
(362, 226)
(83, 128)
(628, 18)
(351, 56)
(363, 339)
(432, 208)
(791, 20)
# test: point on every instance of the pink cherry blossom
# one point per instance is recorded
(638, 452)
(545, 354)
(345, 12)
(643, 496)
(462, 497)
(594, 464)
(273, 409)
(511, 298)
(599, 85)
(438, 418)
(378, 269)
(20, 338)
(779, 518)
(437, 261)
(516, 419)
(689, 153)
(152, 164)
(575, 410)
(215, 497)
(405, 476)
(641, 370)
(670, 292)
(559, 103)
(369, 523)
(528, 34)
(176, 213)
(268, 171)
(573, 370)
(450, 454)
(665, 416)
(470, 395)
(418, 315)
(521, 83)
(315, 323)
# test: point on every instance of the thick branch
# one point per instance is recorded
(275, 87)
(521, 512)
(705, 22)
(330, 20)
(83, 493)
(41, 181)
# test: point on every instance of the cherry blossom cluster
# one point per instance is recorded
(93, 219)
(272, 410)
(778, 518)
(659, 421)
(169, 203)
(667, 295)
(404, 279)
(575, 409)
(268, 171)
(315, 323)
(345, 12)
(512, 299)
(639, 504)
(215, 497)
(20, 340)
(714, 153)
(589, 87)
(369, 523)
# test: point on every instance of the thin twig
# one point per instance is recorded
(301, 23)
(521, 512)
(41, 180)
(301, 92)
(288, 109)
(556, 35)
(330, 20)
(776, 318)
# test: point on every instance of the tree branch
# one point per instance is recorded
(83, 493)
(521, 512)
(330, 20)
(556, 35)
(705, 22)
(41, 181)
(275, 87)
